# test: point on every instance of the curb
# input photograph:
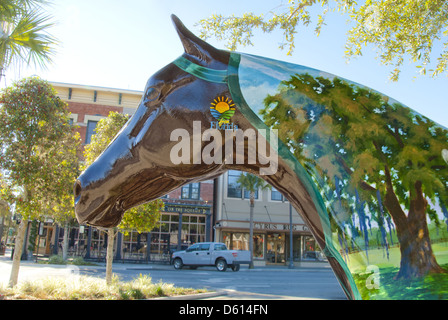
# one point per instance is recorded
(198, 296)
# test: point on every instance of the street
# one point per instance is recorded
(313, 281)
(261, 283)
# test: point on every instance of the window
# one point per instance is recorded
(91, 125)
(191, 191)
(276, 195)
(247, 194)
(134, 245)
(204, 247)
(234, 189)
(194, 247)
(240, 241)
(166, 236)
(219, 247)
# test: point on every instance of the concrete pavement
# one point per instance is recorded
(30, 270)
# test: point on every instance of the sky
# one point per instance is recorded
(120, 44)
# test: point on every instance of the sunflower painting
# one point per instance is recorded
(222, 109)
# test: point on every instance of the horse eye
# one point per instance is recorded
(151, 94)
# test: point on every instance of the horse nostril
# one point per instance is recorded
(77, 190)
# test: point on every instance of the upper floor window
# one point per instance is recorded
(91, 125)
(234, 190)
(276, 195)
(233, 187)
(191, 191)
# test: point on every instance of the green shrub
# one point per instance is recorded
(56, 260)
(79, 261)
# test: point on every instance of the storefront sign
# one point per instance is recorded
(185, 208)
(279, 227)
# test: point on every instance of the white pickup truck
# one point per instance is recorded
(210, 254)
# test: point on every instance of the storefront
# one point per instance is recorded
(178, 231)
(180, 226)
(271, 241)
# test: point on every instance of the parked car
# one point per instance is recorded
(210, 254)
(313, 256)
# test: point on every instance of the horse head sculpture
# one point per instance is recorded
(341, 153)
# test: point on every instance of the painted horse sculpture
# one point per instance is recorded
(367, 174)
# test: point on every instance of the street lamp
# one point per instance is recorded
(291, 263)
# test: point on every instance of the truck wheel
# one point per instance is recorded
(178, 264)
(221, 265)
(236, 267)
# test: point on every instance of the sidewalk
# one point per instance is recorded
(30, 270)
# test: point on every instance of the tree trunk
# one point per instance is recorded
(109, 254)
(251, 230)
(417, 258)
(1, 228)
(65, 243)
(7, 231)
(17, 253)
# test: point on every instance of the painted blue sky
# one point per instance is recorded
(111, 43)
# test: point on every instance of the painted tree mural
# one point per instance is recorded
(372, 155)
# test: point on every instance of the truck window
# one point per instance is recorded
(219, 247)
(204, 247)
(194, 247)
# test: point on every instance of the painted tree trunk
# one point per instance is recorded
(417, 258)
(14, 277)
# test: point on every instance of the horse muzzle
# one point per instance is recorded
(95, 208)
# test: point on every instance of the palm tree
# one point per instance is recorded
(23, 36)
(251, 183)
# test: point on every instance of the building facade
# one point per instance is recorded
(274, 223)
(213, 210)
(89, 104)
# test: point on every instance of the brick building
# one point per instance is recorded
(89, 104)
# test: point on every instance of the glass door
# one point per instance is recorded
(275, 249)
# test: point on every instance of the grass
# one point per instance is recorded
(90, 288)
(430, 287)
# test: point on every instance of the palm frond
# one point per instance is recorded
(251, 182)
(9, 9)
(26, 40)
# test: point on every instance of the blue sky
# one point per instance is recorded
(112, 43)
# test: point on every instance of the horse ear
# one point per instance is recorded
(198, 48)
